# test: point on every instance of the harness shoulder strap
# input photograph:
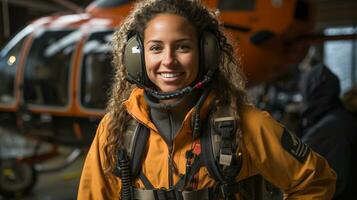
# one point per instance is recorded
(219, 149)
(140, 140)
(135, 140)
(220, 144)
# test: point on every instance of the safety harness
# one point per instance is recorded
(217, 150)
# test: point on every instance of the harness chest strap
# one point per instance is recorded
(251, 188)
(173, 194)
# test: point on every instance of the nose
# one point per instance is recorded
(168, 57)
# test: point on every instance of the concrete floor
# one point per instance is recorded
(61, 185)
(57, 185)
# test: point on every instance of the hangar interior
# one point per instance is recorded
(334, 44)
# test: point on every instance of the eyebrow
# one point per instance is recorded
(180, 40)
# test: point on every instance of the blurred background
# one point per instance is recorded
(55, 71)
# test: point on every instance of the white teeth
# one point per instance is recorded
(169, 75)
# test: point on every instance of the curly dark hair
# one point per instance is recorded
(229, 80)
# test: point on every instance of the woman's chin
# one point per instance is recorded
(170, 89)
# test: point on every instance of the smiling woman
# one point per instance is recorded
(179, 125)
(171, 52)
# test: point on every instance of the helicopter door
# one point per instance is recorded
(47, 68)
(96, 71)
(9, 58)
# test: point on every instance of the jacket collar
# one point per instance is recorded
(138, 108)
(168, 118)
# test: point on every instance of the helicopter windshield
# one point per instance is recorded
(97, 72)
(9, 57)
(47, 69)
(110, 3)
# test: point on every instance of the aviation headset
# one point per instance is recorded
(134, 62)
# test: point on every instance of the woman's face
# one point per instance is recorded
(171, 52)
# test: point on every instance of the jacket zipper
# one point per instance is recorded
(170, 159)
(172, 165)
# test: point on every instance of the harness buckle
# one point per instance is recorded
(225, 159)
(225, 126)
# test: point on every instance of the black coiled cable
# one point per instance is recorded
(196, 121)
(124, 168)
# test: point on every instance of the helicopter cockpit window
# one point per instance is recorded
(234, 5)
(97, 71)
(46, 80)
(9, 57)
(110, 3)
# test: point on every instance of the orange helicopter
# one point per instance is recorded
(55, 73)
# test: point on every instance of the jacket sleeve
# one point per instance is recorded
(281, 158)
(95, 182)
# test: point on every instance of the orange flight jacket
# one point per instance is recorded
(262, 153)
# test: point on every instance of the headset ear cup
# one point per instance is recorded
(210, 53)
(133, 59)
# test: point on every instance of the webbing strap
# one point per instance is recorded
(203, 194)
(221, 144)
(145, 181)
(157, 194)
(141, 137)
(188, 177)
(182, 181)
(143, 194)
(209, 158)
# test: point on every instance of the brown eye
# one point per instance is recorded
(183, 48)
(155, 48)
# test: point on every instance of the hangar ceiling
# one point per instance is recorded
(329, 12)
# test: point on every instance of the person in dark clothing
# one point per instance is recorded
(328, 127)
